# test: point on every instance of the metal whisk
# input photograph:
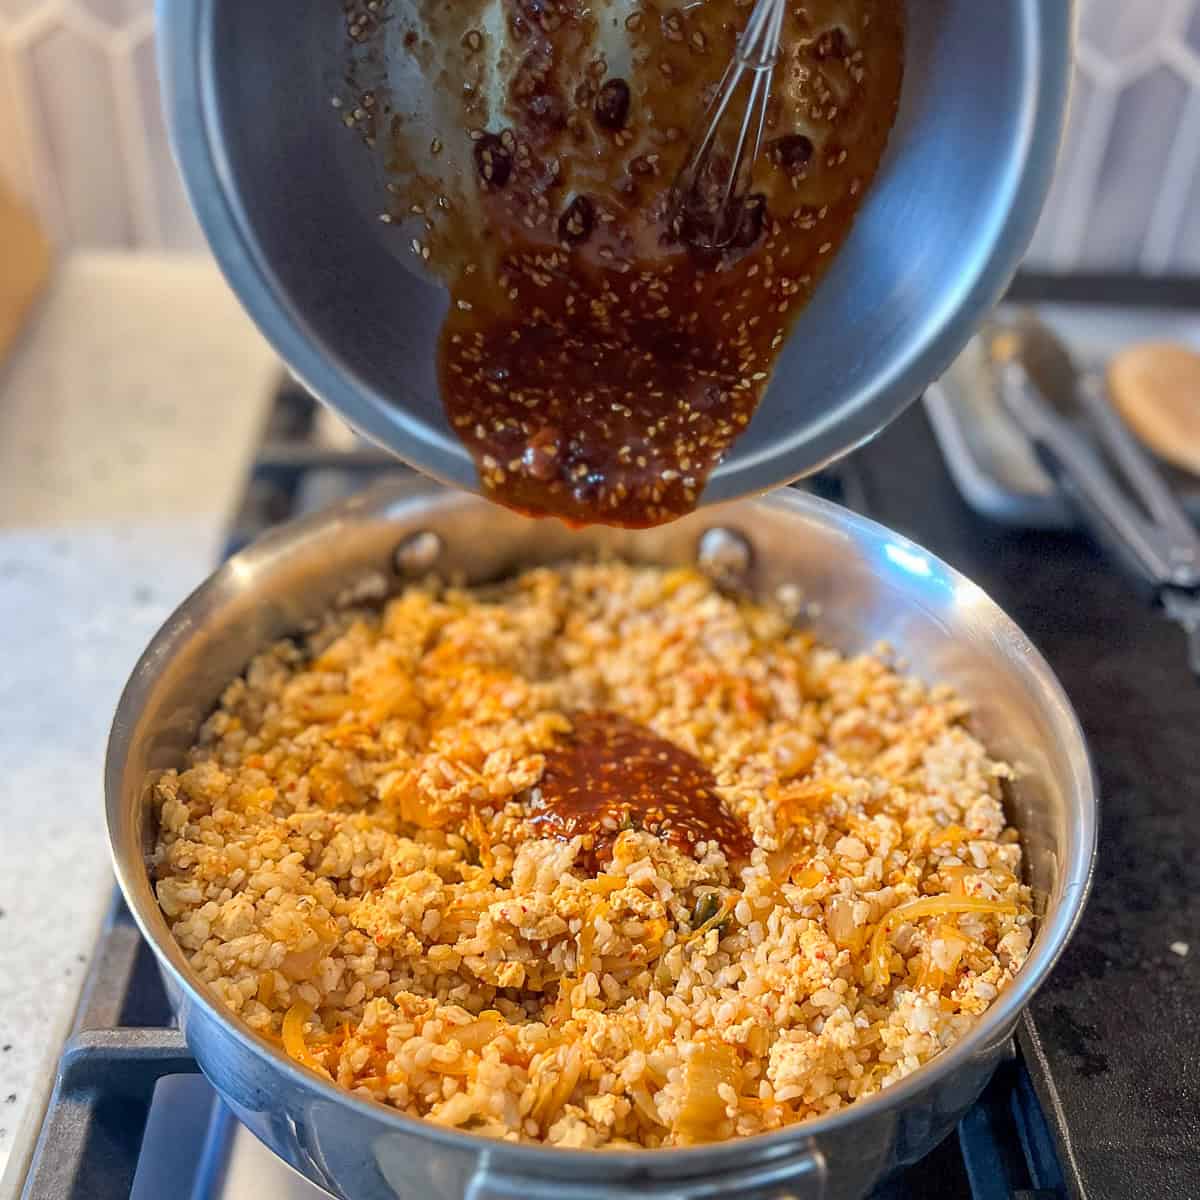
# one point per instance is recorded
(706, 204)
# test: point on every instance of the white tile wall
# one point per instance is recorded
(1128, 185)
(81, 136)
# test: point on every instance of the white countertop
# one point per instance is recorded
(127, 417)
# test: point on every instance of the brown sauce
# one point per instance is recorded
(611, 774)
(596, 363)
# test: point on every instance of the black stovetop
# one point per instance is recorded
(1113, 1043)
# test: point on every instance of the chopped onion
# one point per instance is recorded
(702, 1111)
(929, 906)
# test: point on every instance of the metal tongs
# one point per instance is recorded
(1053, 401)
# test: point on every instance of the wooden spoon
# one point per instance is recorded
(1156, 388)
(24, 265)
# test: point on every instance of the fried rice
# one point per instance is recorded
(353, 862)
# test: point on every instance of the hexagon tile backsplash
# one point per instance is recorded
(83, 140)
(82, 137)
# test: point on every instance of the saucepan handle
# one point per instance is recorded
(800, 1175)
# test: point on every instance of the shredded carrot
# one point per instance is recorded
(953, 933)
(805, 877)
(556, 1093)
(459, 1069)
(374, 1081)
(326, 706)
(332, 790)
(674, 579)
(656, 930)
(587, 936)
(933, 976)
(960, 877)
(955, 835)
(606, 884)
(407, 799)
(810, 794)
(294, 1021)
(800, 762)
(479, 833)
(755, 1104)
(266, 987)
(562, 1005)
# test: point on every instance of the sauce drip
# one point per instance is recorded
(610, 774)
(597, 362)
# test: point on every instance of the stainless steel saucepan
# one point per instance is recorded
(862, 583)
(290, 204)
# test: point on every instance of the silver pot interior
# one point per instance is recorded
(290, 202)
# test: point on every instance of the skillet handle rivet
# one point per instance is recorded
(418, 552)
(725, 556)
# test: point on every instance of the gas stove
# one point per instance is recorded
(1073, 1114)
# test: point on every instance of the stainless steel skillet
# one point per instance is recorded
(862, 583)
